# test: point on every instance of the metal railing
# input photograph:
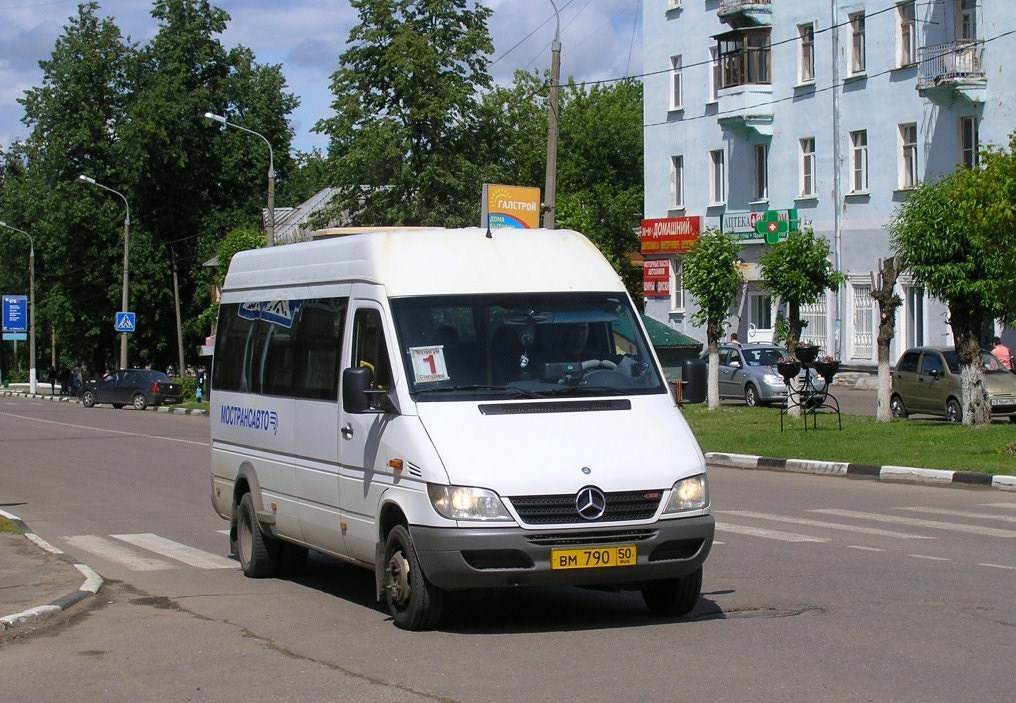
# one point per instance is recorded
(958, 59)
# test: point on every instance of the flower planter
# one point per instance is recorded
(805, 354)
(827, 369)
(788, 369)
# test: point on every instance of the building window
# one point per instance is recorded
(808, 167)
(966, 23)
(676, 182)
(908, 155)
(676, 285)
(864, 322)
(761, 185)
(856, 42)
(806, 70)
(744, 58)
(907, 39)
(859, 161)
(717, 178)
(676, 94)
(970, 145)
(715, 75)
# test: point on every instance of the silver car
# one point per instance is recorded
(748, 371)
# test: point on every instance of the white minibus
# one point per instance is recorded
(455, 409)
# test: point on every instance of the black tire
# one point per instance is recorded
(1012, 418)
(674, 597)
(415, 604)
(88, 399)
(897, 408)
(751, 398)
(139, 402)
(953, 411)
(256, 551)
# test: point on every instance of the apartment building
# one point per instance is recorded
(825, 114)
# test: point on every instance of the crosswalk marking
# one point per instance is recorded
(933, 524)
(107, 549)
(177, 551)
(770, 534)
(961, 513)
(827, 525)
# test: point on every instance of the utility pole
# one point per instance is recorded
(550, 190)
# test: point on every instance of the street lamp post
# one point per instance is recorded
(550, 195)
(270, 224)
(32, 381)
(126, 240)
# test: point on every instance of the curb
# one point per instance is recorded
(899, 474)
(89, 587)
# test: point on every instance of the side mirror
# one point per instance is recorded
(359, 398)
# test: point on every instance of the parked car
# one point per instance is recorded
(137, 387)
(748, 371)
(926, 380)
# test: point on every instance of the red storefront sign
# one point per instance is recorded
(670, 235)
(656, 278)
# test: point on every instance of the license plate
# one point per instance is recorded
(593, 557)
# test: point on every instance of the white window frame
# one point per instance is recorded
(806, 57)
(676, 285)
(857, 49)
(906, 34)
(908, 177)
(863, 337)
(676, 84)
(859, 161)
(966, 20)
(807, 174)
(715, 77)
(717, 177)
(677, 182)
(970, 143)
(760, 187)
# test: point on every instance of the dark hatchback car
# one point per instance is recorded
(137, 387)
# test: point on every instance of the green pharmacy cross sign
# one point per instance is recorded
(771, 226)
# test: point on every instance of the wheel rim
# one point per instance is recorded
(750, 398)
(139, 402)
(953, 413)
(397, 583)
(244, 539)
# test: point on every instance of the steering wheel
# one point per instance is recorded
(592, 364)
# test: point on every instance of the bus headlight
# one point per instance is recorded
(691, 493)
(467, 503)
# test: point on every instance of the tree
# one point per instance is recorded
(710, 274)
(888, 302)
(403, 105)
(239, 239)
(957, 238)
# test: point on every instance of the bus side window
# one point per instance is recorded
(369, 349)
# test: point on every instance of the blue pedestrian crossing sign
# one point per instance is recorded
(124, 322)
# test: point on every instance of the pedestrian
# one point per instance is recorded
(52, 379)
(734, 340)
(1002, 353)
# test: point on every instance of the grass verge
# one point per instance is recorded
(8, 526)
(928, 444)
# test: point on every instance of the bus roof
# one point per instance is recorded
(425, 262)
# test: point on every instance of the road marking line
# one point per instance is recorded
(933, 524)
(768, 534)
(864, 549)
(827, 525)
(960, 513)
(929, 558)
(104, 548)
(179, 552)
(999, 566)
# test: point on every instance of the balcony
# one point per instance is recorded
(952, 70)
(746, 13)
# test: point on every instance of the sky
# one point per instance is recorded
(600, 40)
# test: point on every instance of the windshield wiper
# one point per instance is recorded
(510, 390)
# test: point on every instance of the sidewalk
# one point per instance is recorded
(38, 580)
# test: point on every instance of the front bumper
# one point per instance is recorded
(456, 559)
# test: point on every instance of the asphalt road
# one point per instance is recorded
(818, 588)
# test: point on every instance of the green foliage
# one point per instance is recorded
(239, 239)
(710, 274)
(797, 270)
